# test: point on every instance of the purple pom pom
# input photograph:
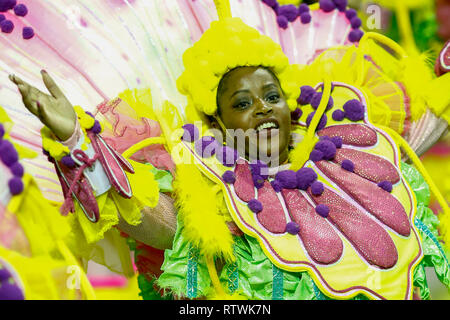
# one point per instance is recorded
(7, 26)
(306, 94)
(327, 147)
(292, 227)
(303, 8)
(4, 274)
(2, 131)
(206, 146)
(190, 133)
(287, 179)
(296, 114)
(68, 162)
(348, 165)
(322, 122)
(305, 177)
(6, 5)
(271, 3)
(17, 170)
(327, 5)
(21, 10)
(337, 141)
(15, 186)
(315, 101)
(2, 17)
(27, 33)
(259, 168)
(350, 13)
(386, 186)
(258, 181)
(355, 22)
(10, 291)
(8, 153)
(276, 185)
(340, 4)
(323, 210)
(355, 35)
(90, 114)
(227, 156)
(316, 155)
(96, 128)
(305, 17)
(354, 110)
(338, 115)
(229, 177)
(317, 188)
(282, 22)
(289, 11)
(255, 206)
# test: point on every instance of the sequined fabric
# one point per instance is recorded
(320, 240)
(369, 238)
(272, 216)
(368, 166)
(375, 200)
(244, 183)
(352, 134)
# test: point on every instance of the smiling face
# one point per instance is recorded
(251, 99)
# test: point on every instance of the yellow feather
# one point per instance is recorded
(199, 210)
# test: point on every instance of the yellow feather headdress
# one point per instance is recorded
(227, 44)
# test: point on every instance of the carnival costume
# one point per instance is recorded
(345, 201)
(35, 259)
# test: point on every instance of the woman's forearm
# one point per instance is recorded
(158, 225)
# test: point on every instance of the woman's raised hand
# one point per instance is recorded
(54, 110)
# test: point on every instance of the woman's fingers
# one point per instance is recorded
(24, 90)
(31, 96)
(16, 79)
(54, 90)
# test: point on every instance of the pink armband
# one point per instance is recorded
(74, 138)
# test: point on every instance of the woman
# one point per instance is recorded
(263, 224)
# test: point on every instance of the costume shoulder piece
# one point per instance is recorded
(347, 207)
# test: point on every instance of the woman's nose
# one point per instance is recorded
(262, 108)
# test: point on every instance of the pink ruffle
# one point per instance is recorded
(128, 129)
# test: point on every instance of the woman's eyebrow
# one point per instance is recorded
(239, 91)
(269, 85)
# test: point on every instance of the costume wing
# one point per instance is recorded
(96, 49)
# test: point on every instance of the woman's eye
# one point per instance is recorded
(273, 98)
(242, 105)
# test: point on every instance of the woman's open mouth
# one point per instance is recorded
(267, 128)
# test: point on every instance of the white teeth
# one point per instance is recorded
(267, 125)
